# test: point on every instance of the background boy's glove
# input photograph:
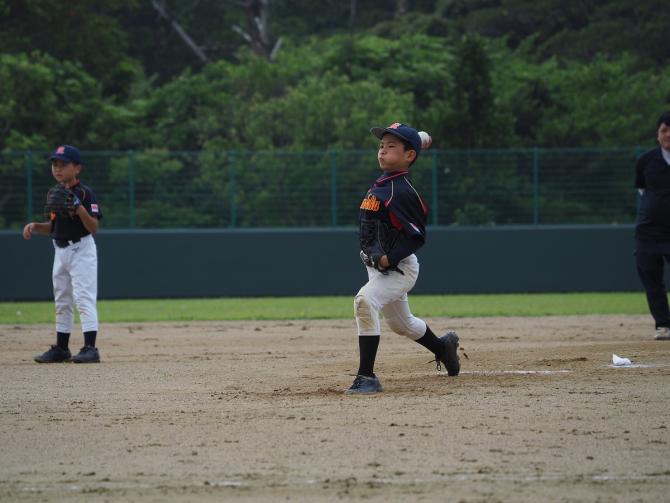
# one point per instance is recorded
(60, 199)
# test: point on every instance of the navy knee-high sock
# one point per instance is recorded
(62, 340)
(367, 346)
(431, 342)
(89, 338)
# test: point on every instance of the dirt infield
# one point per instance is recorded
(254, 411)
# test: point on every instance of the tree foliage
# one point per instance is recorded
(477, 74)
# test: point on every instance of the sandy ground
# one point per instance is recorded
(254, 411)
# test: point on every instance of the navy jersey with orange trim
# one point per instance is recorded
(396, 203)
(66, 227)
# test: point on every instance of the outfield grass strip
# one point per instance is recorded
(287, 308)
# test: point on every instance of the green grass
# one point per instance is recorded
(285, 308)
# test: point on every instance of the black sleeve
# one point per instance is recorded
(640, 182)
(404, 249)
(89, 200)
(92, 205)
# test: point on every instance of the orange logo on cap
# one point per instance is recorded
(60, 150)
(395, 125)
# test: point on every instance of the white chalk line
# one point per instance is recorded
(514, 372)
(561, 371)
(236, 483)
(638, 366)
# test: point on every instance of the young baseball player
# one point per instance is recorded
(75, 267)
(392, 221)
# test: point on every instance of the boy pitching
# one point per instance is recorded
(392, 221)
(75, 267)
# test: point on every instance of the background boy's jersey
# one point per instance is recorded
(65, 227)
(394, 214)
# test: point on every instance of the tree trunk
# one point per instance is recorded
(259, 32)
(401, 7)
(352, 13)
(160, 7)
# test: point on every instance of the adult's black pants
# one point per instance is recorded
(650, 258)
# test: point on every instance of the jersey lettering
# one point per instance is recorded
(370, 203)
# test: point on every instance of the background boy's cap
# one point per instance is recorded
(67, 153)
(402, 131)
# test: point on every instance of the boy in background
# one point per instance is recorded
(75, 267)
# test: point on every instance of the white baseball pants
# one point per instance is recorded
(75, 282)
(387, 293)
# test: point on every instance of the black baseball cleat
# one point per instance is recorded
(364, 385)
(55, 354)
(449, 357)
(87, 354)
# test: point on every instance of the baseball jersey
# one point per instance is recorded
(394, 201)
(652, 173)
(66, 227)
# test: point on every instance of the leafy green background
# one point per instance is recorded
(475, 73)
(113, 77)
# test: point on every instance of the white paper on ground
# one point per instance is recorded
(620, 362)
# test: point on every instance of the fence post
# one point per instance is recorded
(29, 184)
(536, 186)
(131, 189)
(333, 188)
(434, 180)
(232, 189)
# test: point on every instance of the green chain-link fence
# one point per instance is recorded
(209, 189)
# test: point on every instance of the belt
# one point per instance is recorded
(64, 243)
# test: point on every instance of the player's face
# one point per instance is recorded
(664, 136)
(64, 172)
(392, 155)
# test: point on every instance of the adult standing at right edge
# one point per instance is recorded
(652, 229)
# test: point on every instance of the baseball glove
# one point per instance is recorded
(372, 260)
(376, 240)
(62, 200)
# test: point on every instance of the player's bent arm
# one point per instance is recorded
(91, 223)
(36, 228)
(404, 249)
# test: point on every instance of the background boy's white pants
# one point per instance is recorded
(388, 293)
(75, 282)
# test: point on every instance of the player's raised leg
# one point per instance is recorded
(401, 320)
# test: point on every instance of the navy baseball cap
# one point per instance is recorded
(67, 153)
(402, 131)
